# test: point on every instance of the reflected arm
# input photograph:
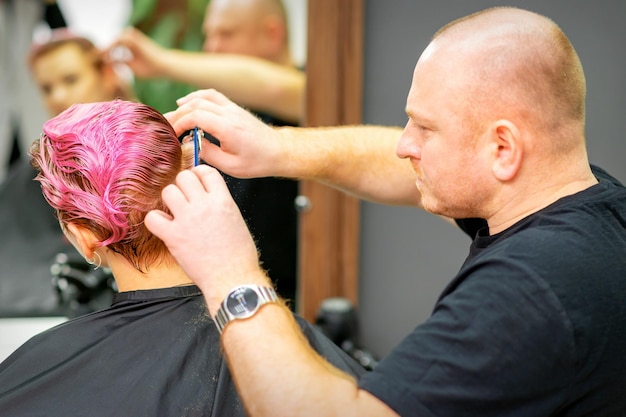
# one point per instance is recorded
(254, 83)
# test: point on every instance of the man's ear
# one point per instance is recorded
(83, 238)
(508, 150)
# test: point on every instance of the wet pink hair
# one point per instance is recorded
(103, 166)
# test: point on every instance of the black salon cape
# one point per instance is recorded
(268, 207)
(152, 353)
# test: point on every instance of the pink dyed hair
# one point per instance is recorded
(103, 166)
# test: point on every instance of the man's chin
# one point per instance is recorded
(429, 205)
(435, 207)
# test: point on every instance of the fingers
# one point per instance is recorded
(159, 223)
(183, 120)
(189, 186)
(192, 182)
(197, 108)
(174, 198)
(197, 112)
(210, 178)
(125, 38)
(208, 94)
(130, 35)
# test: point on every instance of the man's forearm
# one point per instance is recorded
(293, 379)
(359, 160)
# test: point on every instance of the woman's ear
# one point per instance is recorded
(509, 150)
(82, 238)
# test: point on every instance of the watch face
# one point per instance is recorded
(242, 302)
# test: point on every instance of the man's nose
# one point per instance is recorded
(58, 95)
(408, 145)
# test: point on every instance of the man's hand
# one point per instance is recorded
(248, 147)
(145, 55)
(206, 234)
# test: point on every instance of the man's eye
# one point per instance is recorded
(71, 79)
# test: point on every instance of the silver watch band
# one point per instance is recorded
(224, 316)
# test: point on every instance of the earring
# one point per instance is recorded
(93, 261)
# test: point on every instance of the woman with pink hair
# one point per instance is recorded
(155, 351)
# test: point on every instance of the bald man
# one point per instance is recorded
(248, 27)
(534, 322)
(246, 56)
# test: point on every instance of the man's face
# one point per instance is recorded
(67, 75)
(446, 155)
(233, 29)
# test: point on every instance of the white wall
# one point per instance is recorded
(15, 331)
(297, 17)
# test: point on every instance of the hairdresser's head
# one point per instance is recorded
(69, 69)
(102, 167)
(247, 27)
(496, 111)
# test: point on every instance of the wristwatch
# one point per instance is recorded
(243, 302)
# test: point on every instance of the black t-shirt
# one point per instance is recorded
(534, 323)
(268, 206)
(152, 353)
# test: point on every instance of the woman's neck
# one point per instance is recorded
(162, 275)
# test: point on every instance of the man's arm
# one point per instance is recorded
(276, 371)
(360, 160)
(270, 360)
(252, 82)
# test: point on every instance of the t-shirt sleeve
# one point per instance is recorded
(482, 352)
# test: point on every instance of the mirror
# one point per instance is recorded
(329, 231)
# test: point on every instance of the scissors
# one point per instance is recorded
(197, 145)
(194, 135)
